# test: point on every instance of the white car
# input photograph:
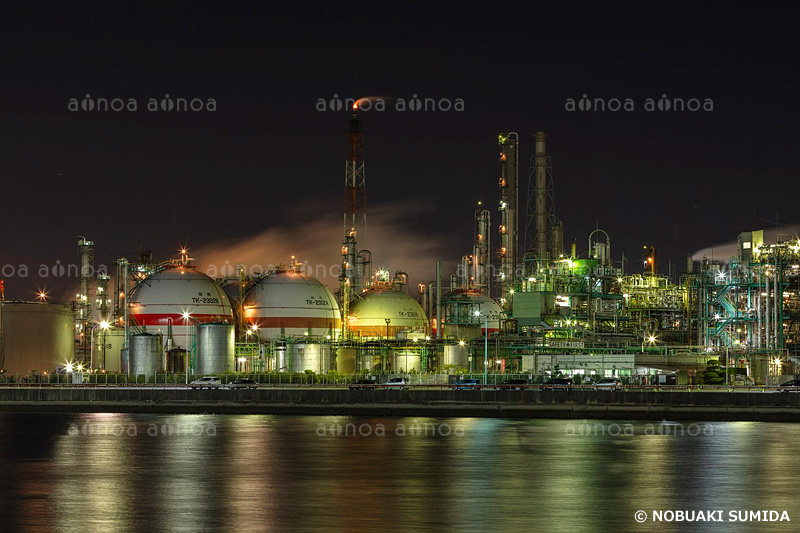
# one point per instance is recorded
(211, 382)
(396, 383)
(607, 384)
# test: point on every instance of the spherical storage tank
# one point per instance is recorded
(369, 313)
(181, 296)
(289, 302)
(459, 314)
(35, 336)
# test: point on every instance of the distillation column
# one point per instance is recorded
(481, 251)
(84, 304)
(509, 213)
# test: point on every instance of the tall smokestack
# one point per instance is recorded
(438, 299)
(355, 214)
(540, 194)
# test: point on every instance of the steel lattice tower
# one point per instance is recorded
(355, 214)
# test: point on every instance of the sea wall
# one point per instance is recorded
(670, 405)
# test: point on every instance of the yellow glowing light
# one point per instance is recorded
(104, 324)
(461, 343)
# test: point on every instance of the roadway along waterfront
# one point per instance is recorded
(645, 404)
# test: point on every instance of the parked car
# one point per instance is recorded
(467, 384)
(211, 382)
(790, 386)
(557, 384)
(513, 384)
(607, 384)
(244, 383)
(364, 384)
(396, 383)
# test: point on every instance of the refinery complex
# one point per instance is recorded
(518, 302)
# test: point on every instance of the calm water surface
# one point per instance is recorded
(121, 472)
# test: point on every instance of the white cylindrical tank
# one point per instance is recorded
(456, 355)
(146, 354)
(180, 296)
(35, 336)
(406, 362)
(382, 311)
(309, 356)
(291, 303)
(215, 349)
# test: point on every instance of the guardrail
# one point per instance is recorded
(434, 386)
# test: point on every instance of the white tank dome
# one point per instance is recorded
(181, 296)
(290, 302)
(471, 301)
(368, 313)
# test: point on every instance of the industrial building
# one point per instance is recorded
(518, 302)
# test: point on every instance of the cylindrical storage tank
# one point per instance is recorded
(406, 362)
(346, 360)
(107, 348)
(215, 349)
(281, 362)
(176, 361)
(309, 356)
(372, 356)
(35, 336)
(383, 311)
(180, 296)
(371, 362)
(456, 356)
(125, 360)
(291, 303)
(145, 354)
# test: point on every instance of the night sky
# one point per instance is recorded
(266, 160)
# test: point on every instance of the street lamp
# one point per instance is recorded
(386, 354)
(104, 325)
(485, 346)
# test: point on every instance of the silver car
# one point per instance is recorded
(607, 384)
(211, 382)
(396, 383)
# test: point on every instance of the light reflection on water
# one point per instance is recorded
(101, 472)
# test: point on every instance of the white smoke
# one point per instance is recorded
(724, 251)
(314, 236)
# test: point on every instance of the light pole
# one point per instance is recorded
(104, 325)
(485, 347)
(386, 354)
(188, 317)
